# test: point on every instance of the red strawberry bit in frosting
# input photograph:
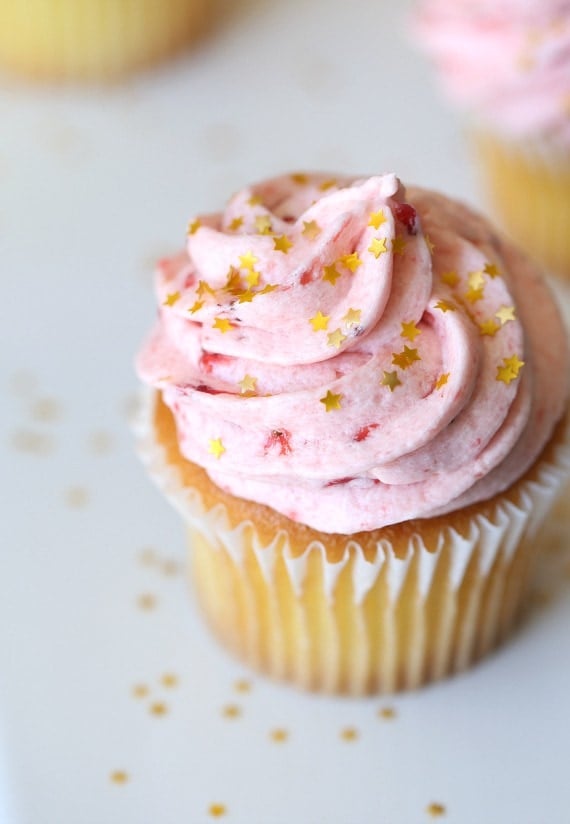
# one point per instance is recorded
(365, 431)
(281, 439)
(407, 215)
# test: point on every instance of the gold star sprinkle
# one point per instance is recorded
(319, 321)
(336, 338)
(193, 227)
(119, 777)
(473, 295)
(158, 708)
(451, 278)
(349, 734)
(327, 184)
(140, 691)
(445, 306)
(147, 601)
(377, 219)
(248, 260)
(331, 274)
(234, 283)
(169, 680)
(231, 711)
(202, 288)
(489, 327)
(216, 448)
(352, 261)
(377, 246)
(398, 245)
(252, 277)
(242, 685)
(236, 224)
(505, 314)
(352, 317)
(171, 299)
(300, 178)
(509, 370)
(410, 331)
(246, 297)
(387, 713)
(492, 270)
(269, 287)
(311, 229)
(254, 200)
(247, 384)
(263, 224)
(391, 380)
(282, 244)
(279, 735)
(442, 380)
(223, 324)
(217, 810)
(196, 306)
(435, 809)
(331, 401)
(475, 280)
(405, 358)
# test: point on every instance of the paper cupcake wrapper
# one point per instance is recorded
(93, 39)
(358, 625)
(528, 185)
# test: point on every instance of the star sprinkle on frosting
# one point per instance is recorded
(331, 401)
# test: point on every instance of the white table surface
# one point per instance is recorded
(93, 187)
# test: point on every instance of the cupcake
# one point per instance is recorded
(358, 399)
(93, 39)
(508, 65)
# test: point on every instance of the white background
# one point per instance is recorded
(94, 186)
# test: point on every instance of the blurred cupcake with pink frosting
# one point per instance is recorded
(507, 65)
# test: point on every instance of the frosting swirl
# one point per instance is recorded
(508, 62)
(354, 356)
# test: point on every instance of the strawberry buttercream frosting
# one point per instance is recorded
(508, 62)
(354, 354)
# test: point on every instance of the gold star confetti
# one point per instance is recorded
(352, 261)
(234, 283)
(254, 200)
(269, 287)
(435, 809)
(146, 601)
(242, 685)
(398, 245)
(492, 270)
(279, 735)
(475, 280)
(331, 401)
(505, 314)
(489, 327)
(386, 713)
(282, 244)
(231, 711)
(193, 227)
(473, 295)
(236, 224)
(169, 680)
(140, 691)
(196, 306)
(442, 380)
(327, 184)
(377, 246)
(405, 358)
(391, 380)
(336, 338)
(247, 384)
(311, 229)
(509, 370)
(300, 178)
(429, 244)
(252, 277)
(119, 777)
(217, 810)
(319, 321)
(445, 306)
(376, 219)
(202, 288)
(263, 224)
(171, 299)
(76, 497)
(331, 274)
(410, 331)
(349, 734)
(246, 297)
(216, 448)
(158, 708)
(248, 260)
(450, 278)
(223, 324)
(352, 317)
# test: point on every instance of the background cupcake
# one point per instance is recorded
(508, 65)
(93, 39)
(358, 417)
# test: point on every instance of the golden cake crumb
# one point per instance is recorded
(140, 691)
(279, 735)
(119, 777)
(146, 601)
(435, 809)
(349, 734)
(76, 497)
(231, 711)
(158, 708)
(217, 810)
(169, 679)
(387, 713)
(242, 685)
(46, 410)
(34, 443)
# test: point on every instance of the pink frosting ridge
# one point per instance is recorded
(355, 355)
(508, 61)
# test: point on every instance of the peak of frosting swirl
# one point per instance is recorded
(355, 355)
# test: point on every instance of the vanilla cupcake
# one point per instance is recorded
(508, 65)
(93, 39)
(358, 406)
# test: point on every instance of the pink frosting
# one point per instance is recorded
(352, 355)
(508, 62)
